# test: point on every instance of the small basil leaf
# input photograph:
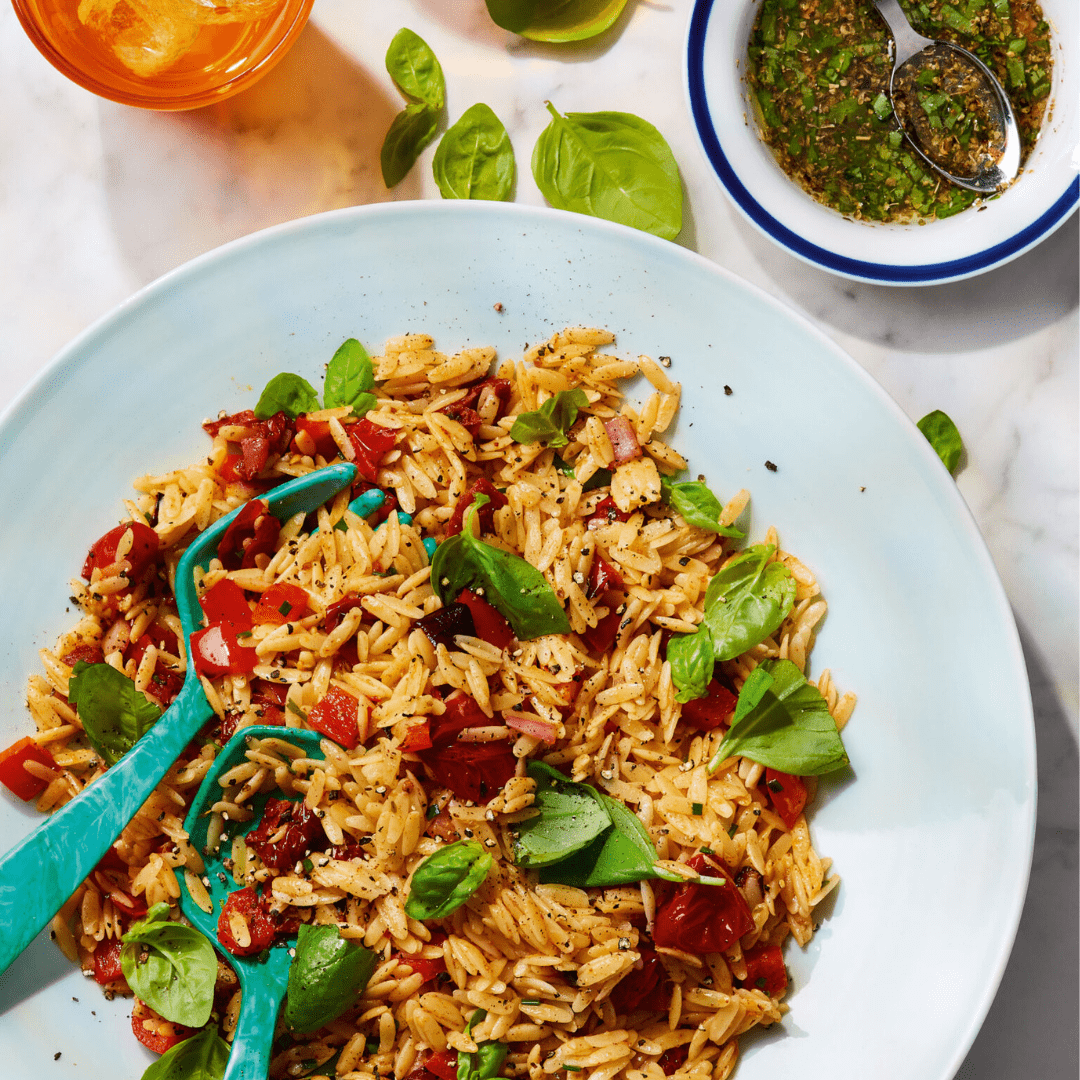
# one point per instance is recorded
(113, 713)
(789, 728)
(172, 968)
(287, 393)
(326, 977)
(474, 159)
(943, 436)
(515, 588)
(413, 128)
(486, 1062)
(610, 165)
(697, 505)
(445, 880)
(692, 658)
(570, 818)
(555, 20)
(202, 1057)
(415, 70)
(349, 376)
(550, 423)
(747, 600)
(600, 478)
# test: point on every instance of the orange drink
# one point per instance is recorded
(163, 54)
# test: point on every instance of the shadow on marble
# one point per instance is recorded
(1031, 1026)
(1003, 305)
(304, 139)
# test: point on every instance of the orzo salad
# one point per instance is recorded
(570, 741)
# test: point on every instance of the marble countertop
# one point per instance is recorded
(97, 200)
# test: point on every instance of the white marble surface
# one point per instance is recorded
(96, 200)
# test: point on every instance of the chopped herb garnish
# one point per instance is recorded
(291, 706)
(697, 809)
(285, 608)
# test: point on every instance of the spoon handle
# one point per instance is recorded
(261, 994)
(907, 41)
(39, 874)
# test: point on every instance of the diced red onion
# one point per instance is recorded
(623, 438)
(530, 724)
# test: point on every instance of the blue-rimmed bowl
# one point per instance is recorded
(969, 243)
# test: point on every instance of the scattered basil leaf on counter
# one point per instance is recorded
(788, 727)
(692, 658)
(171, 967)
(415, 70)
(555, 20)
(446, 879)
(325, 978)
(202, 1057)
(349, 376)
(943, 436)
(550, 423)
(114, 714)
(413, 128)
(697, 505)
(610, 165)
(570, 818)
(512, 586)
(287, 393)
(474, 159)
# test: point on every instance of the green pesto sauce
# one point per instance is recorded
(819, 73)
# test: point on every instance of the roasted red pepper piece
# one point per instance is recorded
(605, 513)
(319, 433)
(482, 486)
(491, 625)
(254, 531)
(303, 833)
(417, 738)
(155, 1039)
(765, 970)
(443, 624)
(144, 550)
(281, 603)
(712, 710)
(787, 794)
(225, 603)
(602, 576)
(429, 968)
(337, 611)
(107, 967)
(442, 1063)
(370, 443)
(671, 1060)
(216, 651)
(262, 926)
(473, 771)
(703, 918)
(12, 774)
(644, 989)
(88, 654)
(336, 717)
(601, 637)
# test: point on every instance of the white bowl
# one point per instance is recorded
(968, 243)
(932, 831)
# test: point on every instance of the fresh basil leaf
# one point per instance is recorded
(570, 818)
(747, 600)
(555, 20)
(600, 478)
(445, 880)
(413, 128)
(114, 714)
(202, 1057)
(485, 1063)
(692, 658)
(349, 376)
(171, 967)
(610, 165)
(515, 588)
(697, 505)
(563, 466)
(550, 423)
(943, 436)
(474, 159)
(325, 978)
(415, 70)
(789, 728)
(753, 690)
(287, 393)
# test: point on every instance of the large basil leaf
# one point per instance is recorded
(550, 423)
(610, 165)
(202, 1057)
(515, 588)
(692, 658)
(413, 128)
(171, 967)
(445, 880)
(325, 978)
(349, 376)
(784, 725)
(415, 70)
(555, 20)
(943, 436)
(287, 393)
(474, 159)
(570, 818)
(113, 713)
(697, 505)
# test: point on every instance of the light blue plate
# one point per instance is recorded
(932, 840)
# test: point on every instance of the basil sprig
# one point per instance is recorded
(744, 603)
(114, 714)
(511, 585)
(202, 1057)
(350, 376)
(325, 978)
(943, 436)
(550, 423)
(446, 879)
(474, 159)
(418, 75)
(610, 165)
(697, 505)
(171, 967)
(782, 721)
(555, 20)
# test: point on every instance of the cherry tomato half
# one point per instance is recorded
(216, 651)
(336, 716)
(787, 793)
(107, 967)
(144, 550)
(712, 710)
(262, 927)
(765, 970)
(703, 918)
(644, 989)
(160, 1035)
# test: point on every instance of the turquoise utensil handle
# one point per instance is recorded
(39, 874)
(262, 991)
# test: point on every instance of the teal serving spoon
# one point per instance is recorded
(39, 874)
(263, 978)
